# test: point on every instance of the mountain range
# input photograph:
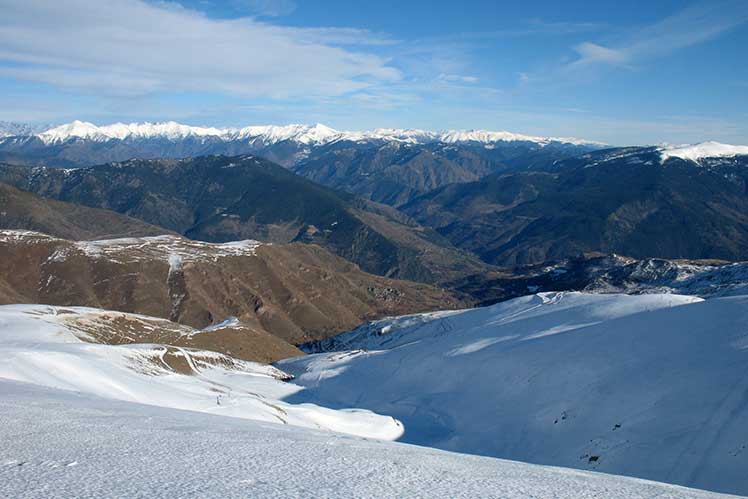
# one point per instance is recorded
(157, 263)
(687, 202)
(317, 134)
(390, 166)
(84, 144)
(14, 129)
(221, 199)
(507, 199)
(394, 173)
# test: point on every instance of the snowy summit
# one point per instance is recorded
(695, 152)
(317, 134)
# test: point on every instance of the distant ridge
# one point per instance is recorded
(316, 134)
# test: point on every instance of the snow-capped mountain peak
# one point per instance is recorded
(486, 136)
(169, 129)
(272, 134)
(13, 129)
(76, 129)
(416, 136)
(308, 135)
(121, 131)
(695, 152)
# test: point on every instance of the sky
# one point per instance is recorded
(631, 72)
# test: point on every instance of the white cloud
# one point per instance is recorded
(130, 47)
(696, 24)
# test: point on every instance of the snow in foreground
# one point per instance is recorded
(42, 345)
(59, 444)
(653, 386)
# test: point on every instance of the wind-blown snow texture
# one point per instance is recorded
(60, 444)
(653, 386)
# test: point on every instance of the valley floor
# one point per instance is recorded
(60, 443)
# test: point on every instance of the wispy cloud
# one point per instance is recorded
(343, 36)
(268, 8)
(533, 27)
(695, 24)
(130, 47)
(591, 53)
(452, 78)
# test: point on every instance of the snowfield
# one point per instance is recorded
(695, 152)
(40, 345)
(59, 444)
(652, 386)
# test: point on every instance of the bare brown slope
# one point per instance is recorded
(236, 339)
(24, 210)
(218, 199)
(295, 292)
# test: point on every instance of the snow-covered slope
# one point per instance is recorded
(13, 129)
(272, 134)
(45, 346)
(84, 130)
(317, 134)
(60, 444)
(652, 386)
(695, 152)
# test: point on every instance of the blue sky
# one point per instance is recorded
(621, 72)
